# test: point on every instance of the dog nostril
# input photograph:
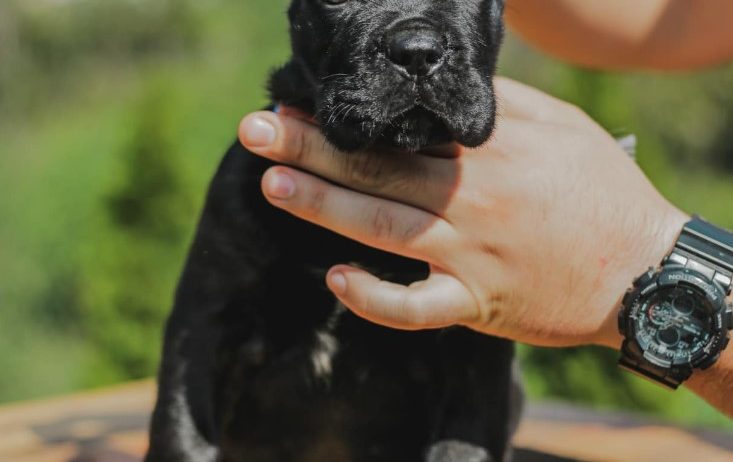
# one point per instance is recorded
(417, 51)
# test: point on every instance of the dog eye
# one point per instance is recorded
(335, 2)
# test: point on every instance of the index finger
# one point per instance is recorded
(420, 181)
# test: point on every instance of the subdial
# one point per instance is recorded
(661, 314)
(684, 304)
(669, 336)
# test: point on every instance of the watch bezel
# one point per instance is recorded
(676, 276)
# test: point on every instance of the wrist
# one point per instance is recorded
(645, 248)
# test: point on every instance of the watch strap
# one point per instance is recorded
(670, 378)
(706, 249)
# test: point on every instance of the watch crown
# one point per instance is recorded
(729, 316)
(645, 278)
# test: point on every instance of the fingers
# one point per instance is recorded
(421, 181)
(519, 101)
(439, 301)
(377, 222)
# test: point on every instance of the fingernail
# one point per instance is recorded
(258, 132)
(337, 282)
(279, 185)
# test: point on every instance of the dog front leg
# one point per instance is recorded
(215, 308)
(182, 427)
(206, 320)
(481, 399)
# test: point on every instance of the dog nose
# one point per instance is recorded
(416, 48)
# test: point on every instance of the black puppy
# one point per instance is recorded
(260, 364)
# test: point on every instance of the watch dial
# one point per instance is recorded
(674, 325)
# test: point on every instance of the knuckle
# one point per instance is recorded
(370, 304)
(302, 146)
(491, 314)
(406, 185)
(382, 223)
(316, 199)
(297, 145)
(411, 310)
(411, 231)
(365, 169)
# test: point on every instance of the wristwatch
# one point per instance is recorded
(675, 318)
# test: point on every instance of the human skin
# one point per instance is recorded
(534, 236)
(628, 34)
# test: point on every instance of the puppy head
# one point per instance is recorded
(401, 73)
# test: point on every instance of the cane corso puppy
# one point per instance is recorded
(260, 364)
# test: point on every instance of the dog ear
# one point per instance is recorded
(499, 6)
(496, 18)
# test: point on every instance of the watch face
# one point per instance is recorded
(674, 325)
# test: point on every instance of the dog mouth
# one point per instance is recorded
(415, 129)
(387, 111)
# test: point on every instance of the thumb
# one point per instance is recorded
(439, 301)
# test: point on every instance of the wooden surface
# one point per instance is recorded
(110, 426)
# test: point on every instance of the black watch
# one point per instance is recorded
(676, 319)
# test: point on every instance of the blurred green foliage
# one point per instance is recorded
(121, 293)
(113, 117)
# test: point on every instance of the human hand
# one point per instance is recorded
(534, 236)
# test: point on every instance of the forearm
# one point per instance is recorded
(715, 385)
(626, 34)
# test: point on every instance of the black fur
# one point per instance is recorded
(260, 364)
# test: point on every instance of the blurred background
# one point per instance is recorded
(113, 117)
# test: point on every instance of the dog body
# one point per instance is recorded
(260, 363)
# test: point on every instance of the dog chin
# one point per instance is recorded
(415, 130)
